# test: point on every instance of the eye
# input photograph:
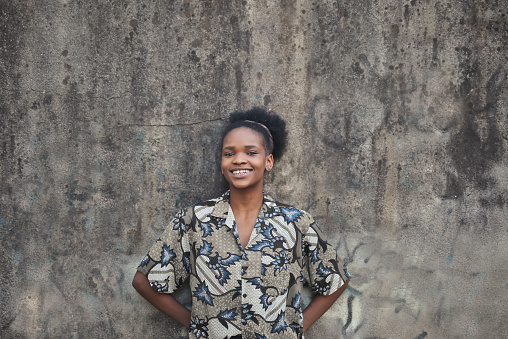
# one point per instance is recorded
(227, 154)
(252, 153)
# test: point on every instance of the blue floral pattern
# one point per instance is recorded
(199, 327)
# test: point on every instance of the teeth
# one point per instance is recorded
(240, 171)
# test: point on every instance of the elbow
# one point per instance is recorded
(139, 281)
(344, 285)
(135, 282)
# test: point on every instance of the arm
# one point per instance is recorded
(319, 305)
(166, 303)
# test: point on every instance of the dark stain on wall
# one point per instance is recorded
(478, 144)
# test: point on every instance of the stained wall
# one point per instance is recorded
(110, 115)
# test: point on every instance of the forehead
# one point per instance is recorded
(243, 136)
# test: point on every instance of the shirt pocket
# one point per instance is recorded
(275, 264)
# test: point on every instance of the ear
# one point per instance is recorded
(269, 163)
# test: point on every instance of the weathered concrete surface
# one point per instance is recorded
(110, 113)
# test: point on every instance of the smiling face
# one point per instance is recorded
(244, 158)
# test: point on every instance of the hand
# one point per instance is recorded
(165, 302)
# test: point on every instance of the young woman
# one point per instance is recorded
(246, 255)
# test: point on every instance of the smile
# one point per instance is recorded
(241, 172)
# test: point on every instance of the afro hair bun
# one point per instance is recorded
(272, 121)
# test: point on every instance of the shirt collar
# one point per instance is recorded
(268, 209)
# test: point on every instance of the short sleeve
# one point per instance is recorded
(326, 271)
(167, 264)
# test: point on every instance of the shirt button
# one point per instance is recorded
(245, 295)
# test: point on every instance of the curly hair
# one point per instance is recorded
(269, 124)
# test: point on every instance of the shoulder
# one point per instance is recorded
(301, 219)
(204, 209)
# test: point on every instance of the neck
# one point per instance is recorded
(246, 200)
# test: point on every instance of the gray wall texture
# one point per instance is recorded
(110, 118)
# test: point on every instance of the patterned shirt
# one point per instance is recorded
(254, 291)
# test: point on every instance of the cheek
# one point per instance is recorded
(223, 162)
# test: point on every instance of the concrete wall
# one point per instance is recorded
(110, 113)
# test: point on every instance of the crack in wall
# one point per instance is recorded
(173, 125)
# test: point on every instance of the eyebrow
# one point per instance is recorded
(246, 146)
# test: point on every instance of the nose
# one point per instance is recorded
(239, 159)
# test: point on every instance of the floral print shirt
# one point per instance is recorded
(254, 291)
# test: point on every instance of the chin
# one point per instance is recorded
(239, 186)
(243, 185)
